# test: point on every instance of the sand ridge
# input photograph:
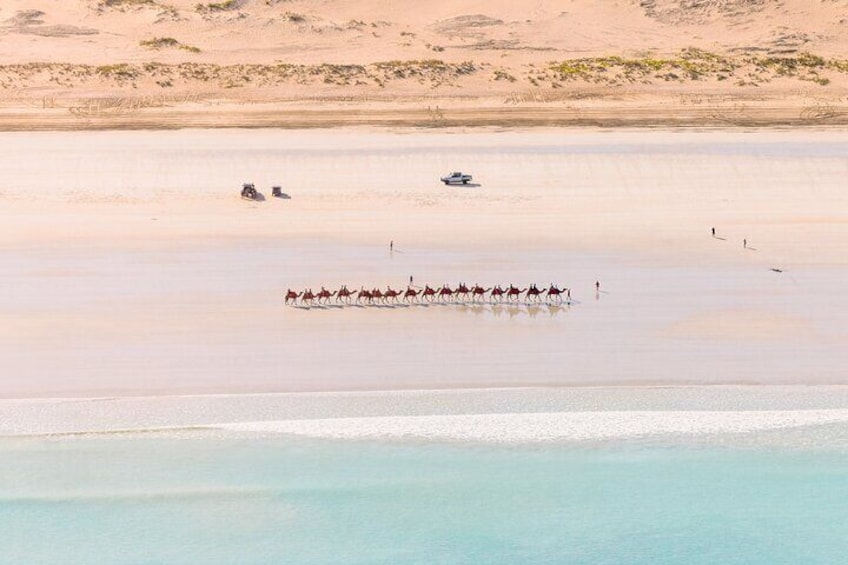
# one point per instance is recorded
(100, 64)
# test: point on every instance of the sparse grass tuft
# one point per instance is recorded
(125, 3)
(159, 42)
(167, 42)
(223, 6)
(120, 71)
(503, 75)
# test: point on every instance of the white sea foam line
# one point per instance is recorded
(539, 427)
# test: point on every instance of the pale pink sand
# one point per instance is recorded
(130, 265)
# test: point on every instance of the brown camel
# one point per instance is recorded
(513, 291)
(462, 291)
(391, 294)
(344, 295)
(555, 293)
(478, 291)
(497, 293)
(364, 295)
(324, 295)
(428, 293)
(533, 293)
(445, 292)
(292, 295)
(411, 294)
(307, 297)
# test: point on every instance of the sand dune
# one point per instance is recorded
(180, 62)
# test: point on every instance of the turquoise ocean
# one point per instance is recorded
(645, 489)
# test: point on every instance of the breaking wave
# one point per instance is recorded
(545, 427)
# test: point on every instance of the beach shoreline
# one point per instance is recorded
(542, 413)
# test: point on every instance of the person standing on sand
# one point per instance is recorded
(744, 244)
(597, 286)
(391, 246)
(713, 231)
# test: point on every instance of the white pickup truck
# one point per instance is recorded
(456, 178)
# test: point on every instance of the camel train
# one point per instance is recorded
(462, 294)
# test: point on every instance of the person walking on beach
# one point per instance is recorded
(597, 286)
(744, 244)
(391, 246)
(713, 231)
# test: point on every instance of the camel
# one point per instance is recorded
(462, 291)
(344, 295)
(478, 291)
(391, 294)
(445, 291)
(292, 295)
(307, 297)
(364, 295)
(376, 294)
(533, 293)
(556, 293)
(497, 293)
(411, 294)
(428, 293)
(514, 291)
(324, 295)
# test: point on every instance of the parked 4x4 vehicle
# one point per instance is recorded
(456, 178)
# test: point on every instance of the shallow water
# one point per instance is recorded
(231, 500)
(654, 475)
